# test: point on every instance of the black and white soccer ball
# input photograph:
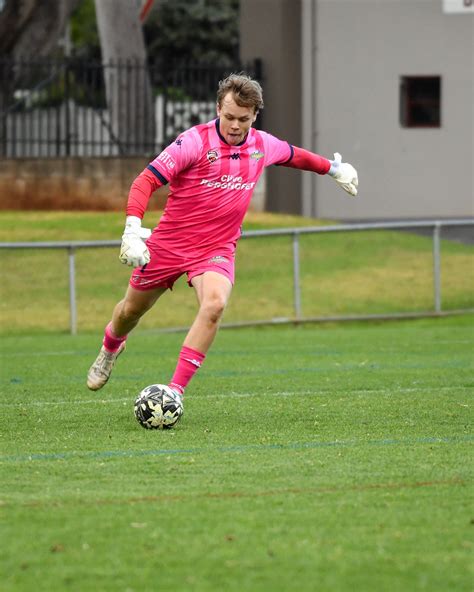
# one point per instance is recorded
(158, 407)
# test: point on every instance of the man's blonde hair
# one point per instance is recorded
(246, 91)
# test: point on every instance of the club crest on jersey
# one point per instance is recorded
(257, 155)
(212, 155)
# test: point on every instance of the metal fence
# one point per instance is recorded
(70, 107)
(295, 233)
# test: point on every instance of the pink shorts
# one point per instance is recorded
(163, 269)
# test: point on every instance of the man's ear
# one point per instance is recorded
(218, 110)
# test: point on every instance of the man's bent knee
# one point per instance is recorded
(130, 311)
(133, 307)
(213, 307)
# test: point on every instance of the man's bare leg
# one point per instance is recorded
(131, 308)
(125, 317)
(213, 292)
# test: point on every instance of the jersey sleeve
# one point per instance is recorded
(308, 161)
(179, 155)
(284, 154)
(140, 192)
(276, 151)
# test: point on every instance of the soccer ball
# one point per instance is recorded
(157, 407)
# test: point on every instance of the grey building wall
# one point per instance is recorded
(363, 47)
(351, 55)
(270, 29)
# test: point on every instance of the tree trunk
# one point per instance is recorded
(127, 81)
(31, 28)
(27, 29)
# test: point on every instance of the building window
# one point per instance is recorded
(420, 101)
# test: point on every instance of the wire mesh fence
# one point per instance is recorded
(292, 275)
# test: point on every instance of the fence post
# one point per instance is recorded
(436, 267)
(296, 276)
(67, 106)
(72, 291)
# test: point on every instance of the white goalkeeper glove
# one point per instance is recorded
(133, 251)
(344, 174)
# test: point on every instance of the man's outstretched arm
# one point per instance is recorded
(342, 172)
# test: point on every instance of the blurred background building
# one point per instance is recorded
(91, 91)
(388, 83)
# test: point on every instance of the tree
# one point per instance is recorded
(84, 33)
(175, 30)
(181, 30)
(27, 28)
(31, 28)
(125, 63)
(194, 30)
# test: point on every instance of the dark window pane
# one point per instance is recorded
(422, 88)
(425, 114)
(420, 101)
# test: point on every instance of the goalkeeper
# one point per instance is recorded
(212, 170)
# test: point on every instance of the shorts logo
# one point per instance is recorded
(137, 279)
(212, 156)
(218, 259)
(257, 155)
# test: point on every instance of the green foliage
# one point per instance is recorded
(84, 31)
(194, 30)
(329, 459)
(176, 30)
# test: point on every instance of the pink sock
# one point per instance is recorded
(189, 362)
(111, 342)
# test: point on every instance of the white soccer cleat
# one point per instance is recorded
(100, 371)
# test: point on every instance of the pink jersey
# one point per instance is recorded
(211, 185)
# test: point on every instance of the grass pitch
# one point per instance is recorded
(330, 459)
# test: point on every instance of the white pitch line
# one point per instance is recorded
(69, 402)
(39, 354)
(234, 395)
(278, 349)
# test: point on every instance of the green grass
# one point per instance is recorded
(309, 458)
(373, 272)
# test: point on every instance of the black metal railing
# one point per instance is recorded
(69, 107)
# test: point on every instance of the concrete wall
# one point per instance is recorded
(332, 71)
(80, 184)
(363, 47)
(69, 183)
(270, 30)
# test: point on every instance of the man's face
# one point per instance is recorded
(234, 121)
